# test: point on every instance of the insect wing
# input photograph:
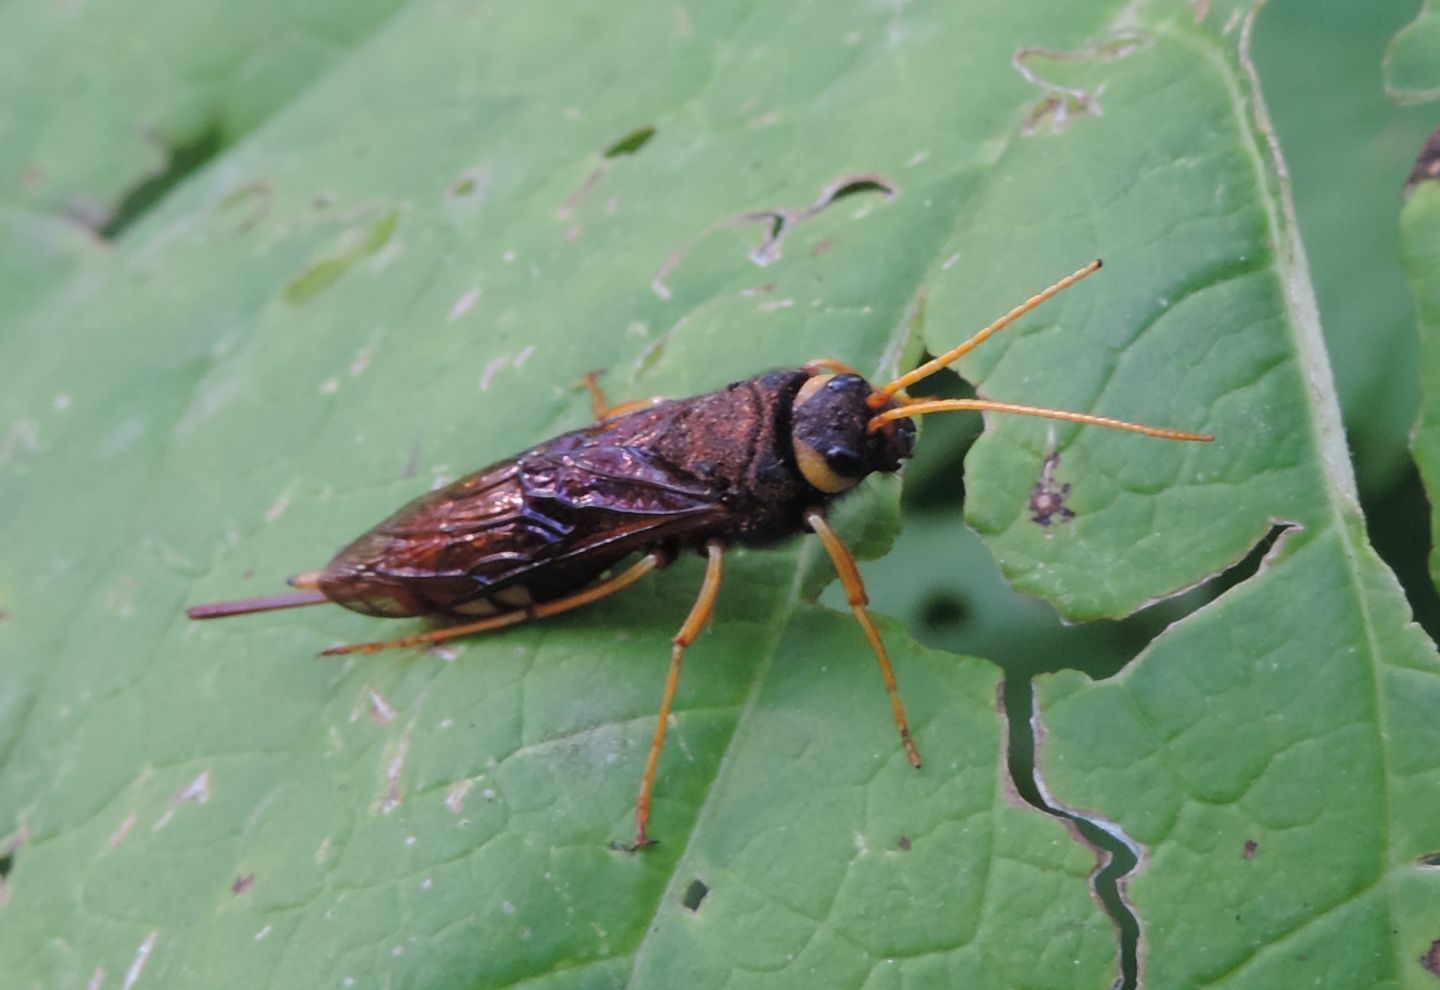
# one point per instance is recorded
(548, 521)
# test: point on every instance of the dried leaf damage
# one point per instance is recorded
(779, 221)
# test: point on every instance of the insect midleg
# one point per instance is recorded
(699, 615)
(816, 365)
(594, 592)
(855, 593)
(602, 409)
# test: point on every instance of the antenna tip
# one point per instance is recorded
(1099, 263)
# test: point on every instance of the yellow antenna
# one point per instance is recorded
(919, 407)
(884, 392)
(957, 405)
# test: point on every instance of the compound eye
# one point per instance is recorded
(844, 461)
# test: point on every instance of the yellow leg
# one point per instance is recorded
(699, 615)
(602, 409)
(855, 593)
(594, 592)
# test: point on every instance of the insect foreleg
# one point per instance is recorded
(594, 592)
(699, 615)
(855, 593)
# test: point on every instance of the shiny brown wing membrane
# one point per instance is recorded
(530, 528)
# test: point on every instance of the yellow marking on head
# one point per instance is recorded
(818, 473)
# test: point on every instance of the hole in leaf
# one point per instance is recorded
(862, 186)
(779, 222)
(184, 160)
(630, 143)
(694, 894)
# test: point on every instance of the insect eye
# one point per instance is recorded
(844, 461)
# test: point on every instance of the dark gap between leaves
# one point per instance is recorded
(185, 159)
(630, 143)
(694, 894)
(1430, 859)
(1120, 858)
(1247, 566)
(7, 863)
(1397, 521)
(935, 477)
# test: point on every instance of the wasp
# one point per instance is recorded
(547, 530)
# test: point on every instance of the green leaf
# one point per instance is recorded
(1421, 245)
(410, 244)
(1412, 62)
(1320, 66)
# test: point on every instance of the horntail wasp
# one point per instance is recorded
(541, 533)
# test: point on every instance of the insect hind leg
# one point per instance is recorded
(849, 574)
(595, 592)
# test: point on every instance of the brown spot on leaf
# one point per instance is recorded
(242, 883)
(904, 843)
(1047, 499)
(1251, 848)
(1061, 104)
(1431, 959)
